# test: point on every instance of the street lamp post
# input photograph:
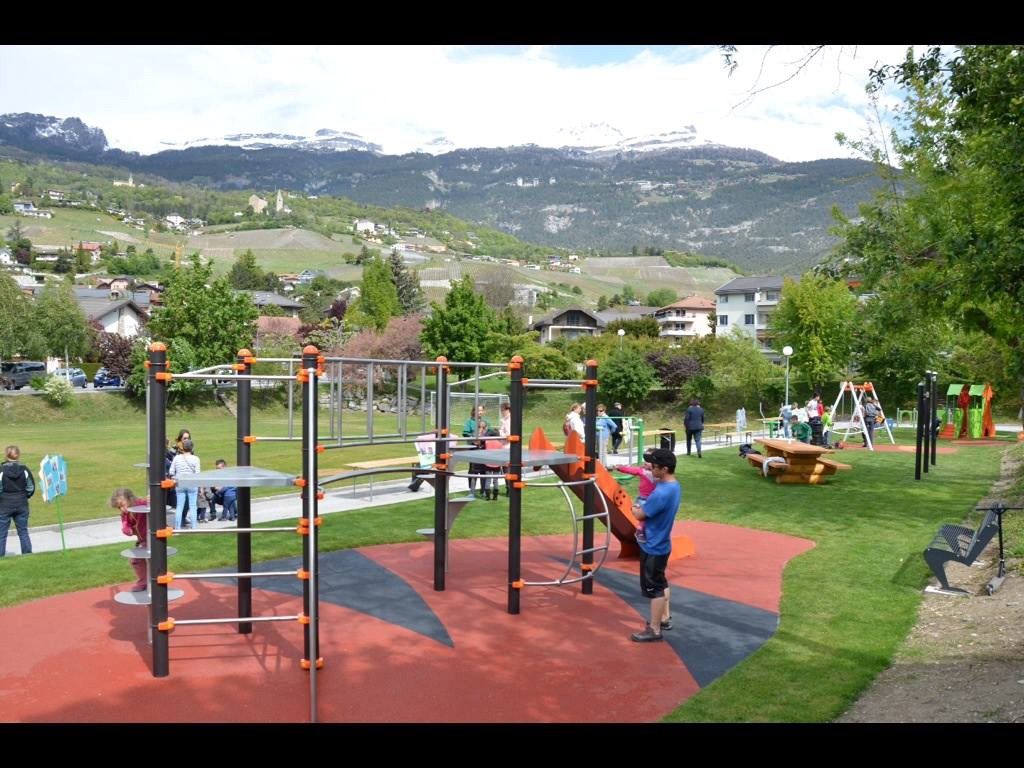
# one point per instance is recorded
(622, 332)
(787, 351)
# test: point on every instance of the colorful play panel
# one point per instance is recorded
(395, 650)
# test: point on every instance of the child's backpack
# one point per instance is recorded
(746, 449)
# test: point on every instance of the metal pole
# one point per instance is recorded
(423, 399)
(310, 361)
(926, 443)
(787, 381)
(515, 491)
(921, 418)
(934, 414)
(340, 367)
(243, 496)
(157, 383)
(589, 471)
(369, 401)
(291, 399)
(441, 450)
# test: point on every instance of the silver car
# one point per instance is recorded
(76, 376)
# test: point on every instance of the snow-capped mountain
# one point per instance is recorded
(324, 140)
(68, 136)
(601, 139)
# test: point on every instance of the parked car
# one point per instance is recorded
(15, 375)
(105, 378)
(76, 376)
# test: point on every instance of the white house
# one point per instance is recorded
(747, 303)
(175, 220)
(5, 257)
(688, 318)
(118, 315)
(365, 225)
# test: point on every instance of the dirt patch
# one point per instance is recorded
(963, 662)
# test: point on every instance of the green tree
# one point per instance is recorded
(83, 259)
(378, 298)
(602, 303)
(544, 362)
(21, 246)
(15, 313)
(661, 297)
(642, 326)
(818, 318)
(245, 274)
(741, 374)
(204, 314)
(949, 227)
(60, 322)
(626, 376)
(407, 285)
(6, 205)
(461, 329)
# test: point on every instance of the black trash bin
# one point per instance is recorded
(668, 441)
(817, 431)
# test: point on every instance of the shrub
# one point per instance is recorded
(58, 391)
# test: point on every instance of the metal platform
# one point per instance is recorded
(500, 456)
(238, 477)
(142, 598)
(143, 553)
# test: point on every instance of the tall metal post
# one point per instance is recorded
(312, 661)
(921, 419)
(157, 395)
(442, 461)
(515, 491)
(243, 496)
(934, 415)
(589, 471)
(926, 442)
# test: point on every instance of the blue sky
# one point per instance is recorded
(403, 97)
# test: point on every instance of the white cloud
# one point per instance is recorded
(403, 96)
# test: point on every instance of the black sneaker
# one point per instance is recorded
(647, 636)
(666, 623)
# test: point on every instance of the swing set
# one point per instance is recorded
(854, 422)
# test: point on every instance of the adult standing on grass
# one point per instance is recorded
(657, 514)
(870, 414)
(574, 421)
(185, 463)
(17, 486)
(616, 414)
(693, 422)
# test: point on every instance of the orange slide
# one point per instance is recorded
(620, 505)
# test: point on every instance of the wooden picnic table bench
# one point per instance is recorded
(800, 462)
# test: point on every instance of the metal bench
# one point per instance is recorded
(959, 544)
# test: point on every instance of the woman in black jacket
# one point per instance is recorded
(17, 486)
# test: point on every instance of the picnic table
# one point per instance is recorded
(791, 461)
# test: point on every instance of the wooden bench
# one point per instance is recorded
(380, 463)
(401, 461)
(775, 468)
(835, 464)
(959, 544)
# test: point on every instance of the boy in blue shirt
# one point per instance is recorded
(658, 514)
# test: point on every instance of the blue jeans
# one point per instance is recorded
(20, 517)
(191, 494)
(229, 510)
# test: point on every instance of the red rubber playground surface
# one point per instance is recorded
(397, 651)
